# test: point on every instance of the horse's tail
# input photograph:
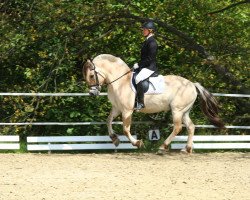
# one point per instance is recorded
(209, 106)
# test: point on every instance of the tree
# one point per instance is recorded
(44, 43)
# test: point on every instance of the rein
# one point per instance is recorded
(97, 80)
(118, 77)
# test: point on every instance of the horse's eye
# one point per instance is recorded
(92, 76)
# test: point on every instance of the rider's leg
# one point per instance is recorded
(140, 96)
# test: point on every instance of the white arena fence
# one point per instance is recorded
(215, 142)
(100, 123)
(62, 143)
(9, 142)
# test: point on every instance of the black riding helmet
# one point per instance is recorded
(149, 25)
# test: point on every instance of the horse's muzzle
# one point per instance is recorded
(94, 91)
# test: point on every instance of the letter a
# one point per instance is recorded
(154, 136)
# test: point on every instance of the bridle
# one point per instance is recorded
(96, 75)
(95, 89)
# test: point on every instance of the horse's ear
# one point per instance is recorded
(85, 67)
(87, 63)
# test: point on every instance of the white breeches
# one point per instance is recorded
(143, 74)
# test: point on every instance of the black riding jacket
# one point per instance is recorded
(148, 54)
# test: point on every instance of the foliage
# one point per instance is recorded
(43, 44)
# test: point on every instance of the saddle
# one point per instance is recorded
(151, 85)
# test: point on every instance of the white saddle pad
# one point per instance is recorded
(156, 85)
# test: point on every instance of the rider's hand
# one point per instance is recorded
(136, 66)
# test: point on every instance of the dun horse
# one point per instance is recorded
(179, 97)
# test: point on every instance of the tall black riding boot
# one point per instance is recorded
(140, 97)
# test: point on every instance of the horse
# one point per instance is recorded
(179, 96)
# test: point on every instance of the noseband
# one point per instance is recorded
(96, 76)
(95, 89)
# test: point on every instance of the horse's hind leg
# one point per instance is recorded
(190, 128)
(177, 120)
(113, 114)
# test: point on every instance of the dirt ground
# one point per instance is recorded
(124, 176)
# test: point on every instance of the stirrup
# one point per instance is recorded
(139, 106)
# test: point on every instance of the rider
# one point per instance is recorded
(146, 67)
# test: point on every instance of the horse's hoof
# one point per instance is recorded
(189, 149)
(186, 150)
(115, 139)
(139, 144)
(161, 152)
(116, 142)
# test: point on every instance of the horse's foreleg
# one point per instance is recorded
(177, 120)
(126, 118)
(113, 114)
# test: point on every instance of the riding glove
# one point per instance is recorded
(136, 66)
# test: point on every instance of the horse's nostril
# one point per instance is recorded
(94, 91)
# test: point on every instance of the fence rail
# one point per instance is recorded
(102, 94)
(101, 123)
(51, 94)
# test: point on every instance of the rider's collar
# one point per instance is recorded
(150, 35)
